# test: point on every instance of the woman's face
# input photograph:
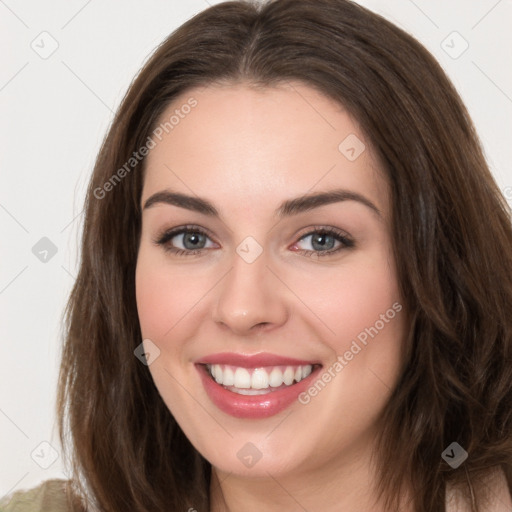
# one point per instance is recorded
(270, 286)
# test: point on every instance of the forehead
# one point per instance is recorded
(235, 141)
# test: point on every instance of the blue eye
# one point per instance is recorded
(193, 241)
(323, 242)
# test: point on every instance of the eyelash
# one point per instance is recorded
(162, 240)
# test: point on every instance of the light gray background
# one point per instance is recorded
(54, 112)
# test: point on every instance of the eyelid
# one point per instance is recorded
(167, 234)
(324, 229)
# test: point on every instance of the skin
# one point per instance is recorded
(246, 151)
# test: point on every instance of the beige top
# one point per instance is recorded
(499, 496)
(50, 496)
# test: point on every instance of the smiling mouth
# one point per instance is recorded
(260, 380)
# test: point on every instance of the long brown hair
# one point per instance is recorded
(452, 239)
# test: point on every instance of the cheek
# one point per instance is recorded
(154, 301)
(362, 309)
(164, 294)
(348, 301)
(166, 297)
(369, 297)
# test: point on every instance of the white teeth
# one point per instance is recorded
(249, 391)
(251, 380)
(276, 378)
(259, 379)
(217, 374)
(288, 375)
(228, 377)
(242, 378)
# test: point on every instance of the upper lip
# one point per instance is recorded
(253, 360)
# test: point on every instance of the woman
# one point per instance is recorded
(295, 285)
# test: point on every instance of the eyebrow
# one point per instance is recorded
(287, 208)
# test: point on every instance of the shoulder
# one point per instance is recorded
(49, 496)
(497, 497)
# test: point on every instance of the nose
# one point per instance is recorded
(251, 298)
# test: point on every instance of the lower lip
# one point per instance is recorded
(252, 406)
